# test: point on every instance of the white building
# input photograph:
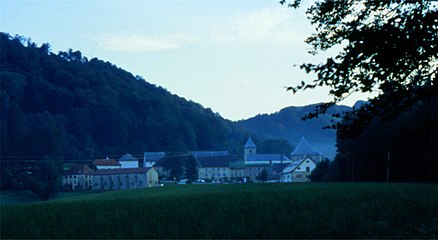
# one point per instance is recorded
(298, 171)
(128, 161)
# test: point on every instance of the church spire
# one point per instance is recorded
(249, 148)
(250, 143)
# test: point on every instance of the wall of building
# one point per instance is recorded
(128, 164)
(119, 181)
(152, 178)
(77, 182)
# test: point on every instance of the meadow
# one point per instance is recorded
(310, 210)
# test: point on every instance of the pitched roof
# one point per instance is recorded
(304, 148)
(120, 171)
(209, 153)
(77, 169)
(266, 157)
(214, 161)
(295, 164)
(128, 157)
(250, 144)
(106, 162)
(153, 156)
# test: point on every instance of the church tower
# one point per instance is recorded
(249, 148)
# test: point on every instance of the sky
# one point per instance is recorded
(235, 57)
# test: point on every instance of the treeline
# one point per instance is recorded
(400, 148)
(66, 106)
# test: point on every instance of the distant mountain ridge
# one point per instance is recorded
(288, 124)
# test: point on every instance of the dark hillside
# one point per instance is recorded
(65, 106)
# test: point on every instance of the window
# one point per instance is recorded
(307, 161)
(224, 174)
(307, 169)
(298, 176)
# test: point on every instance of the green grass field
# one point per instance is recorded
(311, 210)
(27, 197)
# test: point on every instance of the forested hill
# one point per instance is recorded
(288, 124)
(66, 106)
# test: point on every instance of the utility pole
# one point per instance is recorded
(387, 167)
(352, 170)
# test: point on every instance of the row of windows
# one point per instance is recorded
(217, 169)
(288, 176)
(74, 176)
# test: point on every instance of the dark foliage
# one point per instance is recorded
(71, 108)
(181, 166)
(322, 172)
(263, 175)
(410, 139)
(389, 47)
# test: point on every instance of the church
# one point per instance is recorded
(294, 168)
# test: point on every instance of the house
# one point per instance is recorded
(77, 177)
(150, 158)
(255, 163)
(298, 171)
(128, 161)
(106, 164)
(304, 149)
(124, 178)
(215, 167)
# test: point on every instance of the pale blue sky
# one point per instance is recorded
(233, 56)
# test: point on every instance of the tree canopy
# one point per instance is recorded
(388, 47)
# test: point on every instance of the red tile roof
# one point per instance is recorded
(106, 162)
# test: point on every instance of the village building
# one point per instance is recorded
(256, 163)
(304, 149)
(128, 161)
(106, 164)
(124, 178)
(214, 166)
(298, 171)
(77, 177)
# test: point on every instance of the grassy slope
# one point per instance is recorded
(328, 210)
